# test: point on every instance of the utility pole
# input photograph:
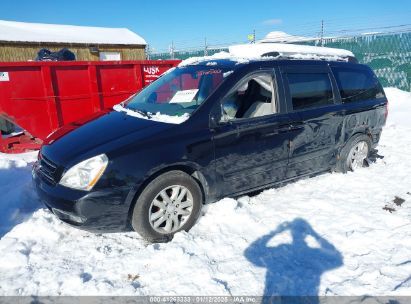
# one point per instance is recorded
(253, 36)
(172, 49)
(148, 52)
(322, 33)
(205, 47)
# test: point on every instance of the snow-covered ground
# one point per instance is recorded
(334, 234)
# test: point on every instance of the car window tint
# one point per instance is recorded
(357, 84)
(310, 90)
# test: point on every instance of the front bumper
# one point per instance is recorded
(102, 210)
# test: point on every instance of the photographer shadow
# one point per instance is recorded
(294, 269)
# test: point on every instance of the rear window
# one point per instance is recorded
(310, 90)
(357, 84)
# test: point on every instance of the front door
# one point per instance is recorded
(252, 139)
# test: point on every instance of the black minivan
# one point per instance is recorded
(208, 130)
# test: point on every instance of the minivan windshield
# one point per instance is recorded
(178, 92)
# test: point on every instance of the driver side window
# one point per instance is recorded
(251, 97)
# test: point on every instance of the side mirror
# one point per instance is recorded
(214, 118)
(217, 118)
(213, 121)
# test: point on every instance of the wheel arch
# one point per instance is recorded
(189, 169)
(340, 166)
(364, 130)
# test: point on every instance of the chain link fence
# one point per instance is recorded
(388, 54)
(184, 54)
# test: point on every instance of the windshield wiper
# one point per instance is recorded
(142, 112)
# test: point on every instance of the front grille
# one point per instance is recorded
(49, 171)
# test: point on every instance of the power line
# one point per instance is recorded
(319, 34)
(311, 28)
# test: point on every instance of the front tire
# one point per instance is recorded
(170, 203)
(355, 154)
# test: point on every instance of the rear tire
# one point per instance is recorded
(354, 154)
(168, 204)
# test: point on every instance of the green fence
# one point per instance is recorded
(187, 54)
(388, 54)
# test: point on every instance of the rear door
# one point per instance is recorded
(314, 106)
(363, 100)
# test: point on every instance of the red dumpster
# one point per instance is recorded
(40, 97)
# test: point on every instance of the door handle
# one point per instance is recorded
(271, 134)
(284, 128)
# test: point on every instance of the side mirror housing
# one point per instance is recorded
(213, 121)
(215, 116)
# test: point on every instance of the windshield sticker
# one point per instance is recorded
(184, 96)
(208, 72)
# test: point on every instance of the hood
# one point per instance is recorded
(74, 140)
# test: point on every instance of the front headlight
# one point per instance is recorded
(86, 174)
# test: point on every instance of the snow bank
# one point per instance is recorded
(17, 198)
(335, 234)
(399, 107)
(156, 117)
(39, 32)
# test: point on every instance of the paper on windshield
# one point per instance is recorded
(184, 96)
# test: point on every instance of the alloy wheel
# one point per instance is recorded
(357, 156)
(170, 209)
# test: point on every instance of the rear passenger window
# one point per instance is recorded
(310, 90)
(357, 84)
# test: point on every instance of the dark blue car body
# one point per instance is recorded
(226, 158)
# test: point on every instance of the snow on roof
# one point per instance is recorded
(217, 56)
(282, 37)
(39, 32)
(260, 49)
(243, 53)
